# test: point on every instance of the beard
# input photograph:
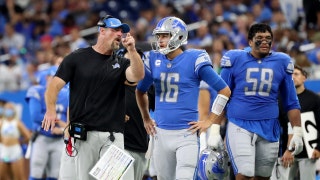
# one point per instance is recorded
(263, 54)
(260, 53)
(115, 45)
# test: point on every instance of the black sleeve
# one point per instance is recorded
(66, 68)
(151, 97)
(317, 117)
(283, 120)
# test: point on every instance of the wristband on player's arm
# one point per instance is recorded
(297, 130)
(215, 129)
(219, 104)
(296, 144)
(215, 140)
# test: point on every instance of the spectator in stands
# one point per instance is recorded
(76, 40)
(218, 49)
(142, 27)
(294, 13)
(4, 78)
(262, 13)
(10, 73)
(60, 46)
(12, 39)
(203, 39)
(42, 59)
(314, 55)
(2, 102)
(312, 12)
(18, 66)
(241, 28)
(46, 42)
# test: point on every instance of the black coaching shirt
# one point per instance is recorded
(135, 135)
(97, 90)
(310, 101)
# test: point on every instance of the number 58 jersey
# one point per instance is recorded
(176, 85)
(256, 83)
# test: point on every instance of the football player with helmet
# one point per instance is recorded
(178, 34)
(176, 75)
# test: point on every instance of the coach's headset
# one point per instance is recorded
(101, 22)
(114, 23)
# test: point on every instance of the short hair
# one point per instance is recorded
(303, 72)
(259, 28)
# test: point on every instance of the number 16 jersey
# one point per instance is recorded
(176, 86)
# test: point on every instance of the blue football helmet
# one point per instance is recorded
(213, 164)
(177, 30)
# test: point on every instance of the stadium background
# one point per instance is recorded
(217, 26)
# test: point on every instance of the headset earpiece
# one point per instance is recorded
(101, 22)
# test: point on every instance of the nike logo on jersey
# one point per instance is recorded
(116, 66)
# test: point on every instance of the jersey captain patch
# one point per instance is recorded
(157, 63)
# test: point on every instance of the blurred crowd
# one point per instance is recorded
(33, 33)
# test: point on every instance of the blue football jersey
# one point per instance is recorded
(176, 86)
(36, 99)
(42, 75)
(255, 84)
